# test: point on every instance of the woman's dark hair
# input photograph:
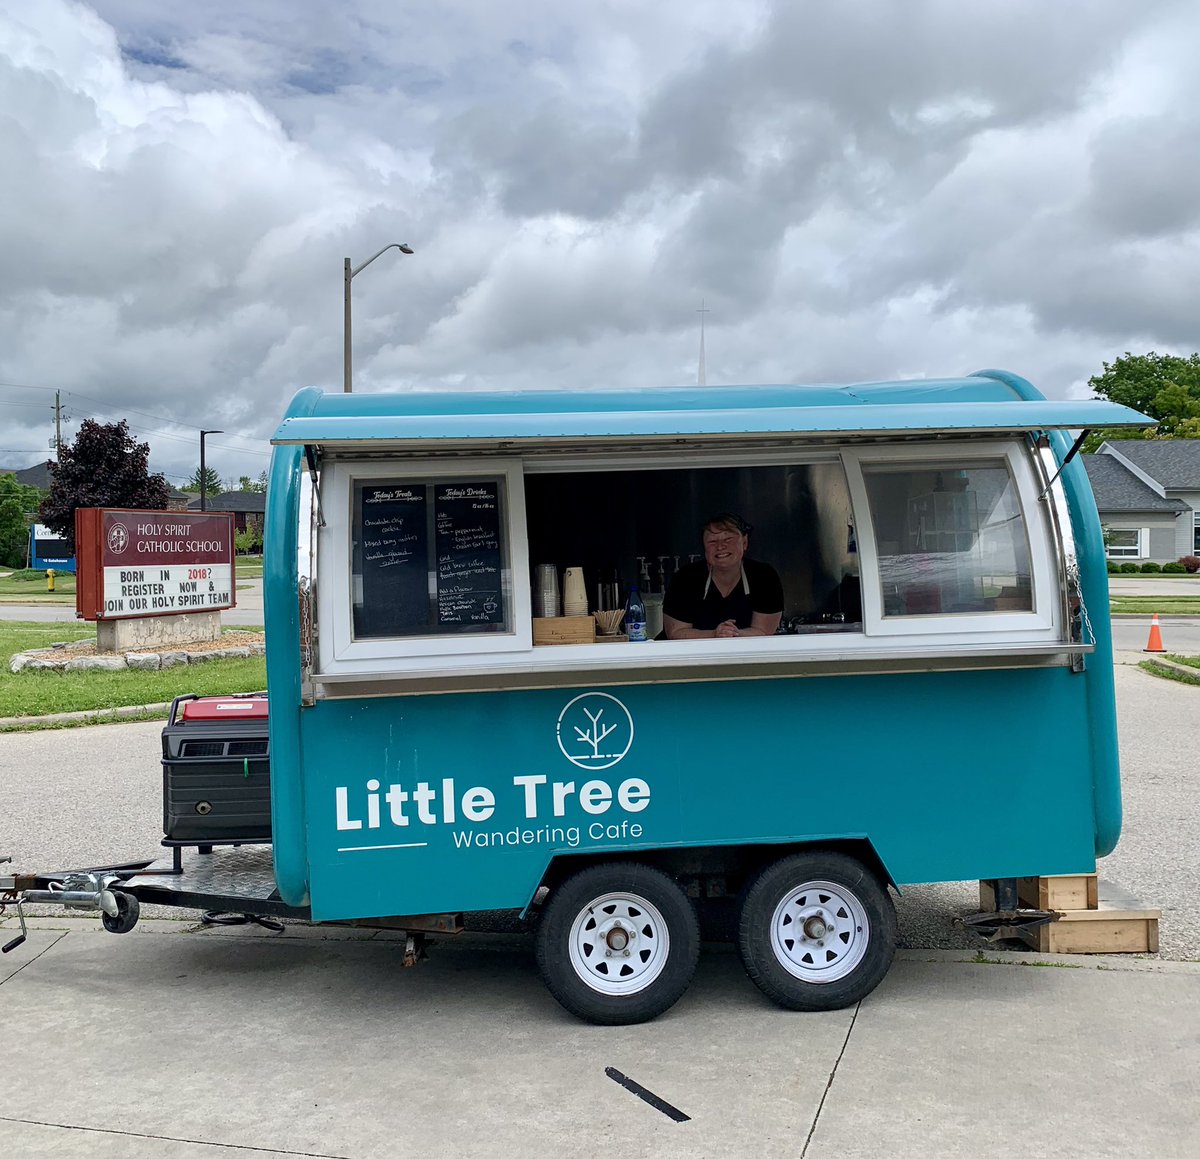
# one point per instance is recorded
(729, 520)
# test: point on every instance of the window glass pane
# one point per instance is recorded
(430, 557)
(1123, 542)
(1196, 533)
(951, 539)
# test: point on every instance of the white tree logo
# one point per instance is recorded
(595, 731)
(118, 538)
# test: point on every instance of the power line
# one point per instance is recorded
(118, 408)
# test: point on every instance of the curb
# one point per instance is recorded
(94, 715)
(1159, 659)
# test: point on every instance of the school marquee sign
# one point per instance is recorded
(152, 563)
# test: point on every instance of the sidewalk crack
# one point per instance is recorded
(174, 1139)
(829, 1085)
(34, 958)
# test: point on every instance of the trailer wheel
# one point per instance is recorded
(128, 912)
(816, 931)
(618, 943)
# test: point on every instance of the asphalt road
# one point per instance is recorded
(248, 613)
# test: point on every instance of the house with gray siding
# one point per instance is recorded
(1148, 495)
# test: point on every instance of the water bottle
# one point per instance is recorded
(635, 616)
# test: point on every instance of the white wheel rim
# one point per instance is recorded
(820, 932)
(619, 944)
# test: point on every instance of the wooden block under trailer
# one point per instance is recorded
(1064, 891)
(1098, 931)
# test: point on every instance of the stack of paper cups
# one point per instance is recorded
(574, 593)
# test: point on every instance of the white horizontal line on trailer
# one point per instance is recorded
(364, 848)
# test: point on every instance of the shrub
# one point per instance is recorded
(1174, 569)
(247, 541)
(1128, 568)
(1113, 567)
(1191, 563)
(1150, 568)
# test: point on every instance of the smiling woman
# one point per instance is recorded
(729, 594)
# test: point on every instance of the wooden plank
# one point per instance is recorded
(1063, 891)
(1098, 932)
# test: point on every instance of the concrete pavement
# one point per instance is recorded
(317, 1044)
(183, 1041)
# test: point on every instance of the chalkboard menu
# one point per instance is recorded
(469, 562)
(428, 558)
(392, 559)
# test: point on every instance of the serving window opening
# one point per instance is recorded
(644, 525)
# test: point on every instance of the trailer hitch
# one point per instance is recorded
(85, 890)
(8, 896)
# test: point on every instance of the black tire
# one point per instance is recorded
(128, 912)
(597, 910)
(816, 970)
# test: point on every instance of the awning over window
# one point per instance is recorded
(990, 402)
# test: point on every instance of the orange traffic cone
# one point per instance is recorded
(1154, 644)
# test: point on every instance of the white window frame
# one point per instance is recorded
(337, 648)
(1140, 550)
(357, 666)
(1043, 620)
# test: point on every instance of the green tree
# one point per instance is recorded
(245, 483)
(1164, 386)
(17, 504)
(104, 467)
(212, 482)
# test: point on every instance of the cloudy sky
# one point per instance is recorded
(857, 190)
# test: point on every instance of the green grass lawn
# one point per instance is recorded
(1146, 605)
(249, 566)
(42, 693)
(1190, 661)
(29, 587)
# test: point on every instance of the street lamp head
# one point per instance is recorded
(404, 249)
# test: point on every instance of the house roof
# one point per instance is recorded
(36, 476)
(247, 501)
(1117, 488)
(1172, 463)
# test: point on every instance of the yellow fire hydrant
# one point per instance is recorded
(49, 579)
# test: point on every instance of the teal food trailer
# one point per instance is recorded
(430, 756)
(943, 660)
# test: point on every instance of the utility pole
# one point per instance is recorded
(701, 376)
(58, 425)
(203, 479)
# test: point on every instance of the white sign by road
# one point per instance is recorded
(194, 587)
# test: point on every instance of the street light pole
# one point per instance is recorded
(203, 479)
(348, 275)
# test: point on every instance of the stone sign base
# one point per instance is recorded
(127, 635)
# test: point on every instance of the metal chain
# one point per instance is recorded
(305, 593)
(1075, 587)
